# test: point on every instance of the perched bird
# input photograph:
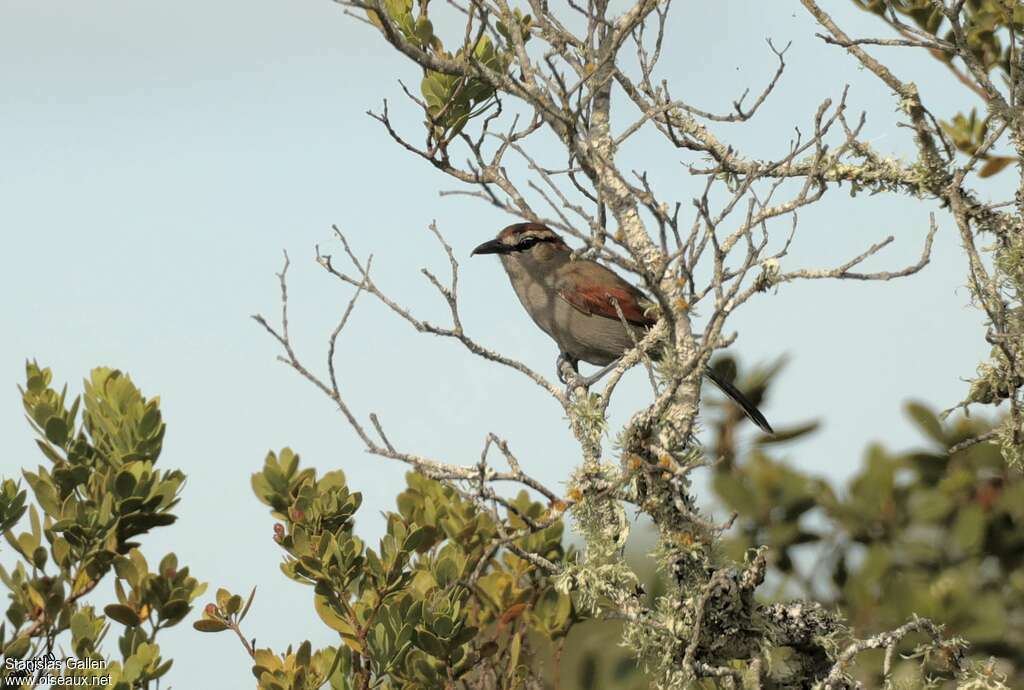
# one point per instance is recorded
(573, 301)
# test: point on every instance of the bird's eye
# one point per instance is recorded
(526, 243)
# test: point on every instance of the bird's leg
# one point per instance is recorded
(569, 373)
(589, 381)
(567, 369)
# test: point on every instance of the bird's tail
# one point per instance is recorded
(737, 397)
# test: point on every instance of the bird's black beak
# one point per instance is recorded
(492, 247)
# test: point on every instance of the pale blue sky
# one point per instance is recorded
(155, 158)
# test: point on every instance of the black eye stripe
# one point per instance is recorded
(528, 242)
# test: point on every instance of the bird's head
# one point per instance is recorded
(525, 242)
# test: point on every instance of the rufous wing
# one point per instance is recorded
(591, 288)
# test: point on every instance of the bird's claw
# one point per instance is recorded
(567, 372)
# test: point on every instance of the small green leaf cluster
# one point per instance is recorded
(968, 133)
(166, 594)
(987, 27)
(436, 602)
(419, 30)
(100, 491)
(303, 668)
(452, 100)
(226, 614)
(12, 504)
(984, 21)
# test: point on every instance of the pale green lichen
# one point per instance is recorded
(601, 578)
(1010, 431)
(983, 676)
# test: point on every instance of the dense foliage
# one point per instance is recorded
(448, 596)
(98, 491)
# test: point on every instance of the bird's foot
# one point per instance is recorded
(567, 369)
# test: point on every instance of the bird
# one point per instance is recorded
(574, 301)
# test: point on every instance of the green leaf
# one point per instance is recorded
(513, 654)
(927, 421)
(122, 614)
(126, 570)
(331, 618)
(418, 540)
(248, 603)
(434, 90)
(174, 610)
(994, 165)
(81, 626)
(931, 505)
(429, 643)
(969, 528)
(446, 571)
(209, 625)
(424, 32)
(124, 483)
(786, 435)
(57, 431)
(303, 654)
(735, 494)
(18, 648)
(233, 604)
